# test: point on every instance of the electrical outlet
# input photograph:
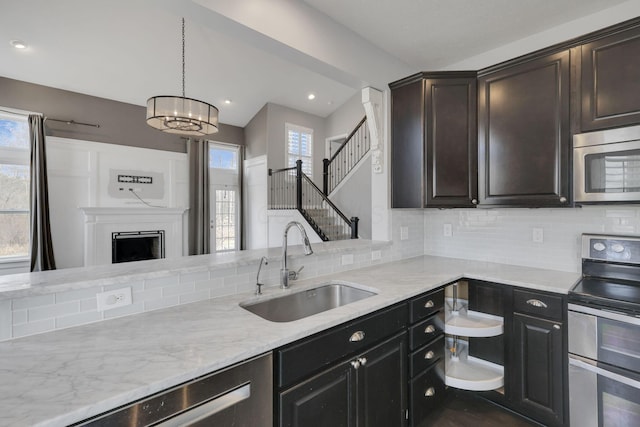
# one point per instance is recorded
(376, 255)
(347, 259)
(447, 230)
(404, 233)
(537, 235)
(114, 299)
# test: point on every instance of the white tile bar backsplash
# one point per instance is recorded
(505, 235)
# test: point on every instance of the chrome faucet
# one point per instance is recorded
(258, 284)
(285, 274)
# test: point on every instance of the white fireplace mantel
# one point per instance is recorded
(101, 222)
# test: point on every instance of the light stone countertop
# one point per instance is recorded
(65, 376)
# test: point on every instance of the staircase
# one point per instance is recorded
(290, 188)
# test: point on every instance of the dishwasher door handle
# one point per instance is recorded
(202, 412)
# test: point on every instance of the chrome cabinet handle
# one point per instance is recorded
(362, 360)
(430, 392)
(357, 336)
(429, 329)
(429, 304)
(355, 364)
(429, 355)
(556, 326)
(563, 199)
(536, 303)
(474, 201)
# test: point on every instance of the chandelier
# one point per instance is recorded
(182, 115)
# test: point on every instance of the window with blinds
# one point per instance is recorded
(300, 146)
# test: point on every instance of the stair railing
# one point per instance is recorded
(290, 188)
(346, 157)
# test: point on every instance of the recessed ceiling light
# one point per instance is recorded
(311, 97)
(18, 44)
(227, 101)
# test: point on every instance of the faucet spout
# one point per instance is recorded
(285, 274)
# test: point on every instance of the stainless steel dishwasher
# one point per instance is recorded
(238, 396)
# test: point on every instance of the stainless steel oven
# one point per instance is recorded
(606, 166)
(604, 334)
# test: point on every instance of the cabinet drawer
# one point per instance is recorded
(312, 354)
(426, 330)
(425, 305)
(538, 304)
(426, 393)
(426, 356)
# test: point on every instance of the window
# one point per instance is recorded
(14, 187)
(224, 194)
(300, 146)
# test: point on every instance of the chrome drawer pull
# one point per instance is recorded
(429, 355)
(556, 326)
(428, 304)
(362, 360)
(429, 329)
(357, 336)
(430, 392)
(355, 364)
(536, 303)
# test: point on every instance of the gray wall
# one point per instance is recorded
(277, 116)
(345, 118)
(120, 123)
(255, 134)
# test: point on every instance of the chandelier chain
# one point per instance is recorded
(183, 66)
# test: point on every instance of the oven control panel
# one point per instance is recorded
(611, 248)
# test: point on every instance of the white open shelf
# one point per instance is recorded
(470, 373)
(468, 323)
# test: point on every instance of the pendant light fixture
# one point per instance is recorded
(182, 115)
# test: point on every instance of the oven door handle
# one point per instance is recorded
(603, 372)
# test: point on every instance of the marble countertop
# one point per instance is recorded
(65, 376)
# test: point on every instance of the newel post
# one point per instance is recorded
(299, 185)
(354, 227)
(325, 176)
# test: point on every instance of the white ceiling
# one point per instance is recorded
(259, 51)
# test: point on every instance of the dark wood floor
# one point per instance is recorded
(465, 409)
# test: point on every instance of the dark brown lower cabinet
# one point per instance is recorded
(367, 390)
(537, 385)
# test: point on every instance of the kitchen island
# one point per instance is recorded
(65, 376)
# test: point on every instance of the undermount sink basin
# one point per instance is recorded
(308, 302)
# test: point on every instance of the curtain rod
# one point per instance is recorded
(69, 122)
(72, 122)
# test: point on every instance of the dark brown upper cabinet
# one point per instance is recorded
(611, 81)
(434, 140)
(524, 133)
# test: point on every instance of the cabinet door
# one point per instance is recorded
(382, 384)
(610, 83)
(325, 400)
(523, 133)
(537, 383)
(451, 142)
(407, 146)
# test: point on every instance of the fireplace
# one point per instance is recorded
(158, 233)
(129, 246)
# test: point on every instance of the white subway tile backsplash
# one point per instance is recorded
(195, 296)
(5, 319)
(160, 282)
(135, 308)
(18, 316)
(29, 302)
(183, 288)
(51, 311)
(79, 294)
(78, 319)
(163, 302)
(194, 277)
(147, 294)
(89, 304)
(32, 328)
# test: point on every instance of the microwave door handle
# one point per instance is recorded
(603, 372)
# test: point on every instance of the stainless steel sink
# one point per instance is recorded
(308, 302)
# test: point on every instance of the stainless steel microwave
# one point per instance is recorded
(606, 166)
